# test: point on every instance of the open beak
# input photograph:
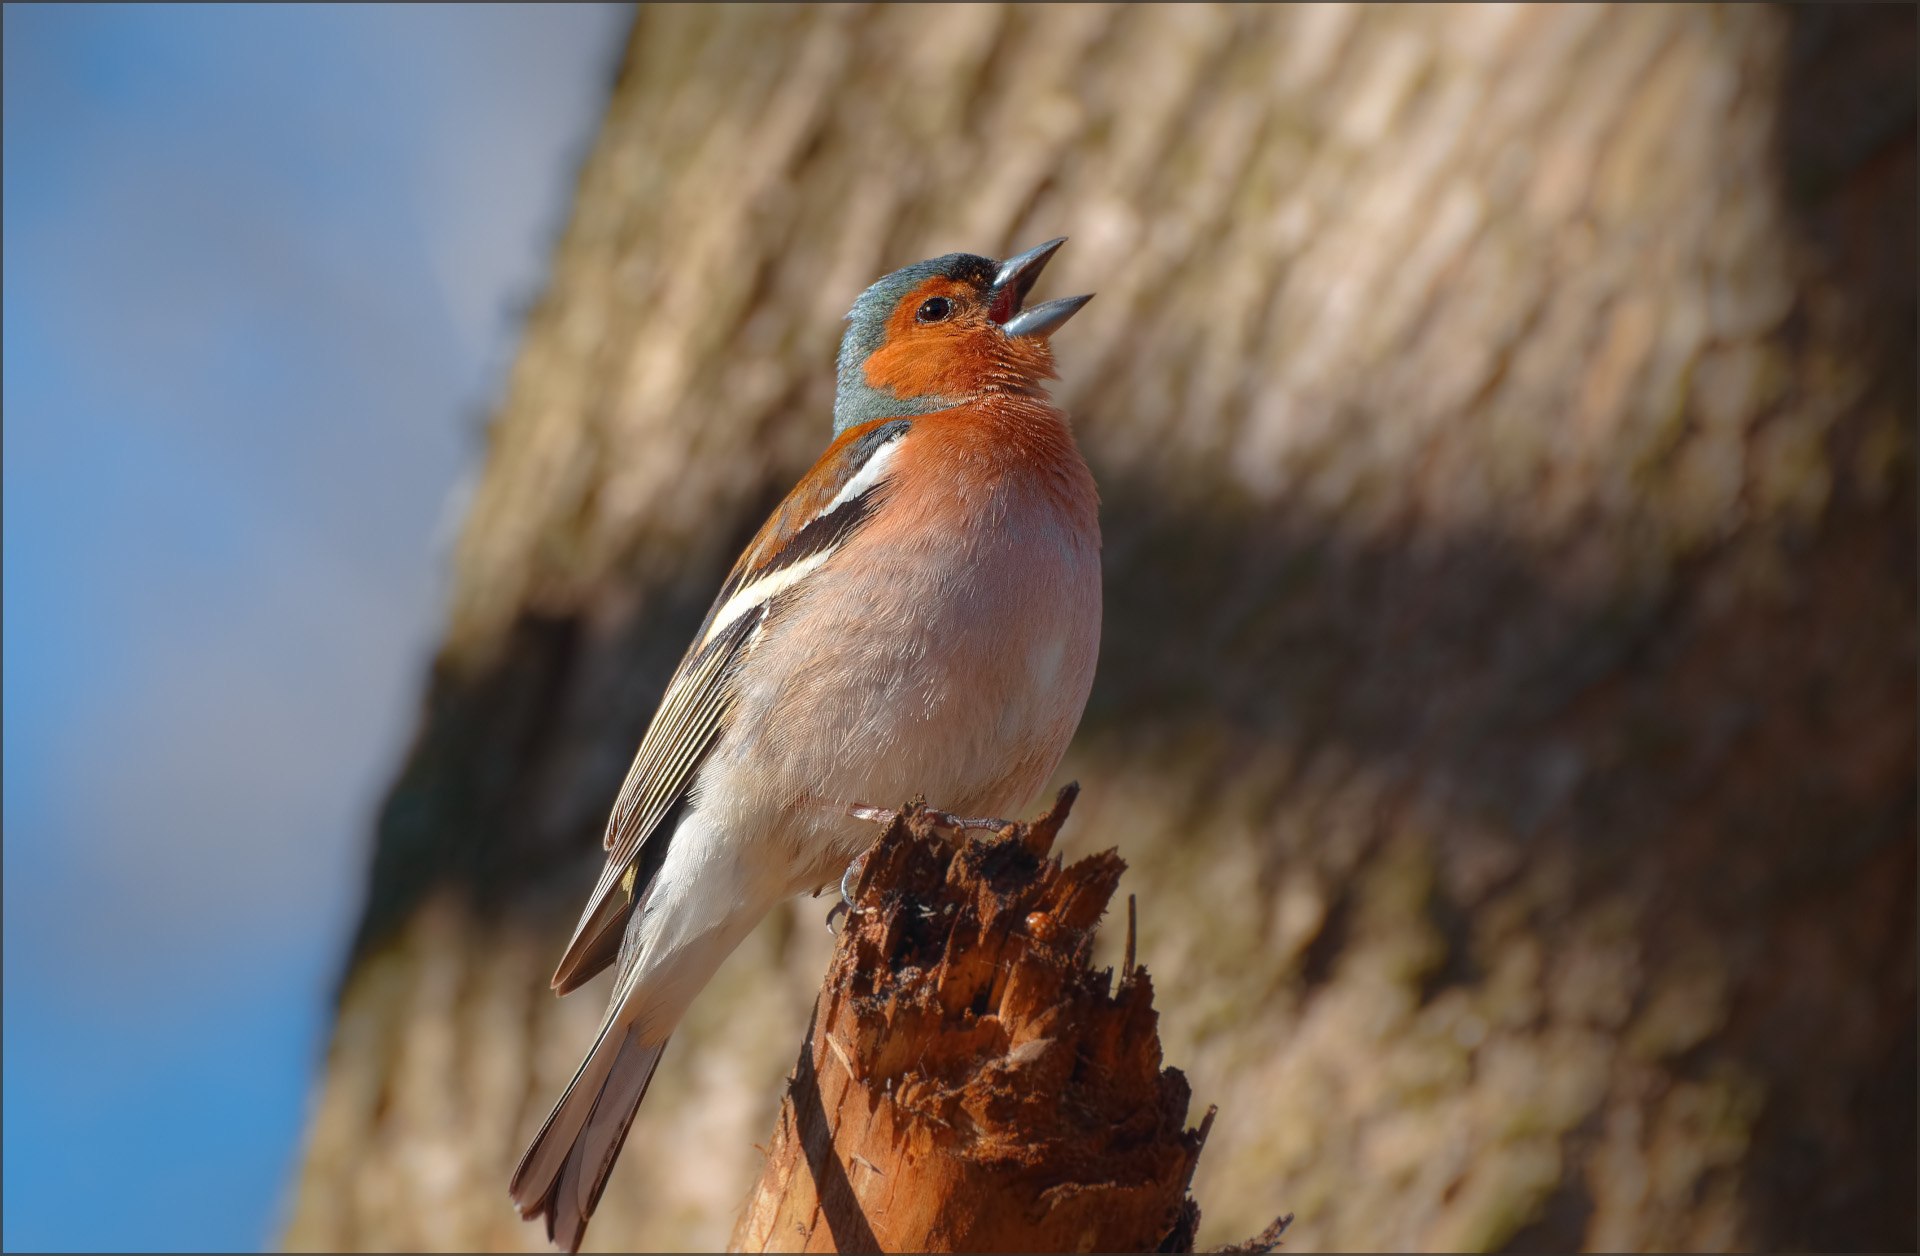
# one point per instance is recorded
(1009, 294)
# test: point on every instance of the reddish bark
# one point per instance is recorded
(969, 1082)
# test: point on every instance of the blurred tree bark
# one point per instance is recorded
(1505, 422)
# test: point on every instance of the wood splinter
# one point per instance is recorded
(991, 1089)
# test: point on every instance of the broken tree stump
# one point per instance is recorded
(968, 1082)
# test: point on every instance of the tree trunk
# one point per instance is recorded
(969, 1083)
(1504, 418)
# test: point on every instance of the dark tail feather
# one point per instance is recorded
(622, 889)
(565, 1169)
(595, 943)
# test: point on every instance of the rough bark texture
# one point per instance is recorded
(1505, 421)
(969, 1083)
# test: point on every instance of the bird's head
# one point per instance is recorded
(943, 331)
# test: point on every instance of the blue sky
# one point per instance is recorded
(261, 267)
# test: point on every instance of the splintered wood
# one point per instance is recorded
(969, 1083)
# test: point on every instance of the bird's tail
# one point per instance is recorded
(566, 1166)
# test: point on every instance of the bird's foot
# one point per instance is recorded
(940, 819)
(848, 880)
(887, 815)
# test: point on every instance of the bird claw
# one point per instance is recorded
(848, 880)
(939, 819)
(887, 815)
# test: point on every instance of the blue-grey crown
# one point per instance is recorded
(855, 402)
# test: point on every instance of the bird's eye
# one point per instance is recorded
(933, 309)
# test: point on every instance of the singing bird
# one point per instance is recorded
(921, 615)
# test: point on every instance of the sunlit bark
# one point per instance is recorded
(1504, 418)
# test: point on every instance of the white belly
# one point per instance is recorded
(956, 668)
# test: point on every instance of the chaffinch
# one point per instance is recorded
(921, 615)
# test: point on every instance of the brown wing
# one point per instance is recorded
(817, 517)
(676, 744)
